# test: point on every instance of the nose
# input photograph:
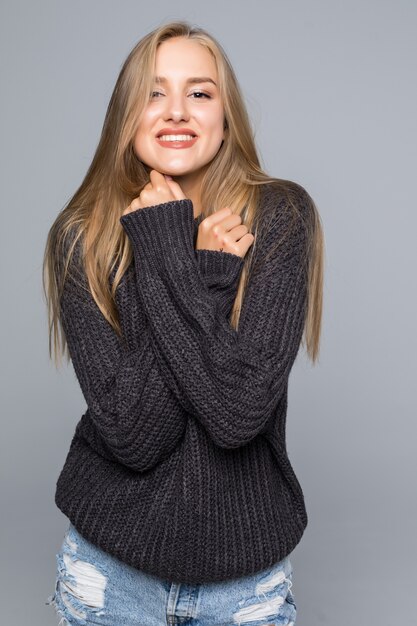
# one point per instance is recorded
(176, 108)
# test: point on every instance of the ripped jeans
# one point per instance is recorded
(93, 587)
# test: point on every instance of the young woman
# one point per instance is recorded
(181, 278)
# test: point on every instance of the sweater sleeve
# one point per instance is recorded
(133, 417)
(230, 380)
(221, 272)
(138, 419)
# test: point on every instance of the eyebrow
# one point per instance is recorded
(192, 80)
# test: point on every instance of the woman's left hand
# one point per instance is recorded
(160, 189)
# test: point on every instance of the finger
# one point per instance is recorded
(176, 189)
(157, 179)
(133, 206)
(219, 216)
(236, 233)
(247, 240)
(224, 219)
(241, 246)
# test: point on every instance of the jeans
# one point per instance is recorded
(93, 587)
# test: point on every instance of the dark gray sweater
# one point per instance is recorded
(179, 465)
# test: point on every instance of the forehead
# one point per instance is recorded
(179, 59)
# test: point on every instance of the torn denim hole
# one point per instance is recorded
(79, 588)
(269, 606)
(290, 598)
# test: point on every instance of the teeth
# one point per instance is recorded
(176, 137)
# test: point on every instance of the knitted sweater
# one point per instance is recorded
(179, 465)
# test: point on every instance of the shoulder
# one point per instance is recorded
(285, 209)
(279, 196)
(70, 258)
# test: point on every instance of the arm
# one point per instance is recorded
(231, 381)
(135, 417)
(221, 272)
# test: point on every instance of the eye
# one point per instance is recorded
(202, 94)
(194, 93)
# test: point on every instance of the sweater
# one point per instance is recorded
(179, 466)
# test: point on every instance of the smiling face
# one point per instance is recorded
(179, 103)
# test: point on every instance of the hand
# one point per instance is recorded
(224, 231)
(160, 189)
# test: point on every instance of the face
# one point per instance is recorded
(179, 104)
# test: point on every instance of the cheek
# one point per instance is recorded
(213, 128)
(143, 139)
(147, 125)
(138, 144)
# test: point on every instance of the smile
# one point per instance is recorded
(176, 141)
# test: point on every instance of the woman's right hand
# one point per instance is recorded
(224, 231)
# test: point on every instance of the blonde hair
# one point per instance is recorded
(116, 176)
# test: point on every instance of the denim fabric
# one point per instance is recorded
(93, 587)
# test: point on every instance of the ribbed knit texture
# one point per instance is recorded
(179, 465)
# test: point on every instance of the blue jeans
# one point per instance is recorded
(93, 587)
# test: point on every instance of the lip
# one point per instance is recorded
(176, 145)
(175, 131)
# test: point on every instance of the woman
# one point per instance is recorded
(182, 326)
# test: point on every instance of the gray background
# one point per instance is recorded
(331, 90)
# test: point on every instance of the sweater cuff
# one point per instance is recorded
(164, 230)
(219, 268)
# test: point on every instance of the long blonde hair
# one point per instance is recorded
(116, 176)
